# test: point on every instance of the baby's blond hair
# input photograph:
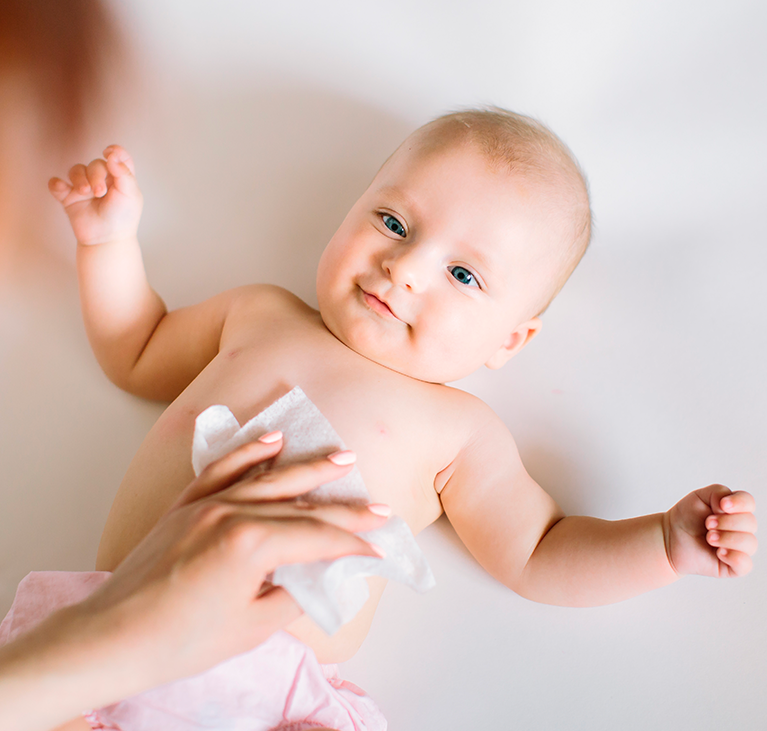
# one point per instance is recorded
(523, 146)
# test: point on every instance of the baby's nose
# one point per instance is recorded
(409, 268)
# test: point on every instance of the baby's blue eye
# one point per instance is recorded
(394, 225)
(464, 276)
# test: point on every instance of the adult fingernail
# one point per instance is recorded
(271, 437)
(378, 550)
(379, 509)
(343, 457)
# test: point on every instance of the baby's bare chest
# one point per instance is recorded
(400, 428)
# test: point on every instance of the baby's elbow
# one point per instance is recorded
(151, 388)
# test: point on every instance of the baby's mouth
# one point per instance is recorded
(377, 305)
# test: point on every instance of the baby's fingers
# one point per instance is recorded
(745, 522)
(59, 189)
(121, 161)
(738, 502)
(120, 166)
(735, 562)
(79, 177)
(97, 177)
(733, 541)
(67, 193)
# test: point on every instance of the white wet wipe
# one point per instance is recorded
(330, 592)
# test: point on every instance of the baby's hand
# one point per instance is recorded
(711, 532)
(102, 200)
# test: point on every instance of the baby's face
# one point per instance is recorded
(437, 265)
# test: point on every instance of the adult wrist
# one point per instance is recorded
(52, 662)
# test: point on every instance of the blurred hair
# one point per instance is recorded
(522, 145)
(61, 49)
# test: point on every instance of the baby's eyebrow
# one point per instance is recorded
(400, 197)
(477, 256)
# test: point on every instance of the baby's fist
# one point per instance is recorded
(102, 199)
(711, 532)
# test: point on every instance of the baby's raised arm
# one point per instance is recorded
(140, 346)
(519, 534)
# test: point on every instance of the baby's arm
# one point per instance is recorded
(519, 534)
(140, 346)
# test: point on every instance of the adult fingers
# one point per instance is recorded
(296, 541)
(231, 467)
(354, 518)
(292, 480)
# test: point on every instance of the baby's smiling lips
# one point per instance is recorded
(378, 305)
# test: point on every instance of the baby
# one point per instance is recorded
(443, 265)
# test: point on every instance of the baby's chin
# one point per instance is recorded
(393, 359)
(415, 370)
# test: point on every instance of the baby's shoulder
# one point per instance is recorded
(471, 407)
(477, 438)
(468, 413)
(257, 303)
(266, 296)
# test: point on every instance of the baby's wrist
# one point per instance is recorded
(666, 525)
(118, 240)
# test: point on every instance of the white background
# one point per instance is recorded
(258, 125)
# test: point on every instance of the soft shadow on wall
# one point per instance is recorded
(248, 185)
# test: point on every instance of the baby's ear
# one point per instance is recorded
(515, 342)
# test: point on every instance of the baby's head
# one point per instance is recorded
(465, 235)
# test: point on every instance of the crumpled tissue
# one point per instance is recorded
(330, 592)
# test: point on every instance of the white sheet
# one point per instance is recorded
(261, 125)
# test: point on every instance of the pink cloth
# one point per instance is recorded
(277, 685)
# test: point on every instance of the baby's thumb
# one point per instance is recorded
(121, 173)
(120, 167)
(713, 495)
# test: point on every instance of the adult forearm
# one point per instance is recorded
(584, 561)
(55, 672)
(120, 309)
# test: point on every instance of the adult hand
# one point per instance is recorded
(187, 597)
(198, 573)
